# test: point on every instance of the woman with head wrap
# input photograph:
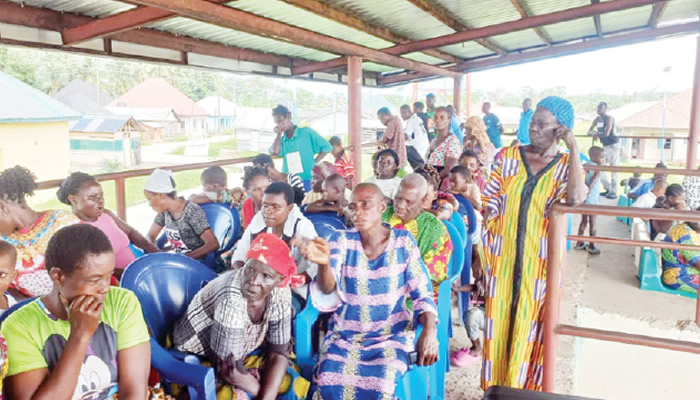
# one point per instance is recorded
(526, 181)
(241, 323)
(476, 139)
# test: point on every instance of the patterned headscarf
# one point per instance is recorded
(324, 169)
(484, 149)
(274, 252)
(561, 109)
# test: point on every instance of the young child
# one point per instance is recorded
(186, 226)
(593, 181)
(319, 173)
(215, 185)
(470, 159)
(474, 320)
(439, 203)
(465, 190)
(387, 168)
(343, 163)
(8, 259)
(333, 200)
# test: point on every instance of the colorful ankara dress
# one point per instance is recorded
(370, 334)
(515, 248)
(680, 266)
(433, 241)
(31, 241)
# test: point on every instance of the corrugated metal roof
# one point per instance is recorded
(517, 40)
(677, 9)
(539, 7)
(480, 13)
(466, 50)
(100, 123)
(574, 29)
(677, 114)
(20, 102)
(283, 12)
(215, 33)
(635, 17)
(91, 8)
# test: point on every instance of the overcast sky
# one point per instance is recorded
(621, 69)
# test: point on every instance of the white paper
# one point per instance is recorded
(294, 165)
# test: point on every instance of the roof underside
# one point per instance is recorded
(308, 38)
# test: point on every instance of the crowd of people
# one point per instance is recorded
(81, 336)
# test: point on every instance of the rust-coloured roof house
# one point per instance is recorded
(158, 93)
(677, 114)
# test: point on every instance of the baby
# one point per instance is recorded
(8, 259)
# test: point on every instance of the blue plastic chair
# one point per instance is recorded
(412, 386)
(444, 304)
(225, 223)
(326, 224)
(458, 223)
(467, 209)
(165, 283)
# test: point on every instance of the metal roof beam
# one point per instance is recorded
(554, 51)
(44, 18)
(232, 18)
(443, 15)
(343, 17)
(657, 12)
(596, 21)
(117, 23)
(525, 14)
(518, 25)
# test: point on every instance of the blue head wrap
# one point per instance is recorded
(561, 109)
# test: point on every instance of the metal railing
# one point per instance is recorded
(120, 178)
(556, 261)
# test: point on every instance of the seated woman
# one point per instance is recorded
(84, 194)
(241, 322)
(186, 226)
(294, 180)
(387, 168)
(28, 230)
(440, 204)
(681, 268)
(363, 357)
(85, 339)
(255, 182)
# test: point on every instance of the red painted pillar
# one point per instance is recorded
(414, 94)
(468, 79)
(457, 95)
(694, 131)
(355, 113)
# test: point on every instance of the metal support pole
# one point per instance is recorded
(468, 79)
(694, 131)
(557, 241)
(457, 95)
(355, 113)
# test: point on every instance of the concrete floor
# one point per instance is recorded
(603, 292)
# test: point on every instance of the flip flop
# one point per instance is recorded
(593, 250)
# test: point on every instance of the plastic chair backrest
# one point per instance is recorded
(326, 224)
(457, 258)
(458, 222)
(165, 283)
(467, 210)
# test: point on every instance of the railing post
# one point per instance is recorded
(120, 186)
(555, 253)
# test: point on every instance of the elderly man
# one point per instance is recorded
(430, 233)
(280, 216)
(365, 277)
(300, 147)
(393, 136)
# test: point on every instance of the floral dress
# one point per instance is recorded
(679, 270)
(449, 148)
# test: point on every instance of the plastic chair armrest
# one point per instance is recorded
(197, 378)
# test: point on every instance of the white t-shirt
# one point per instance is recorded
(647, 200)
(416, 136)
(10, 302)
(387, 186)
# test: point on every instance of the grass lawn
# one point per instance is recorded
(216, 147)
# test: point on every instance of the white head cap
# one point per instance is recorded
(160, 181)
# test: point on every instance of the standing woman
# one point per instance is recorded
(525, 183)
(255, 182)
(477, 140)
(28, 230)
(445, 150)
(84, 194)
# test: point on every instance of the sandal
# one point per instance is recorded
(580, 246)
